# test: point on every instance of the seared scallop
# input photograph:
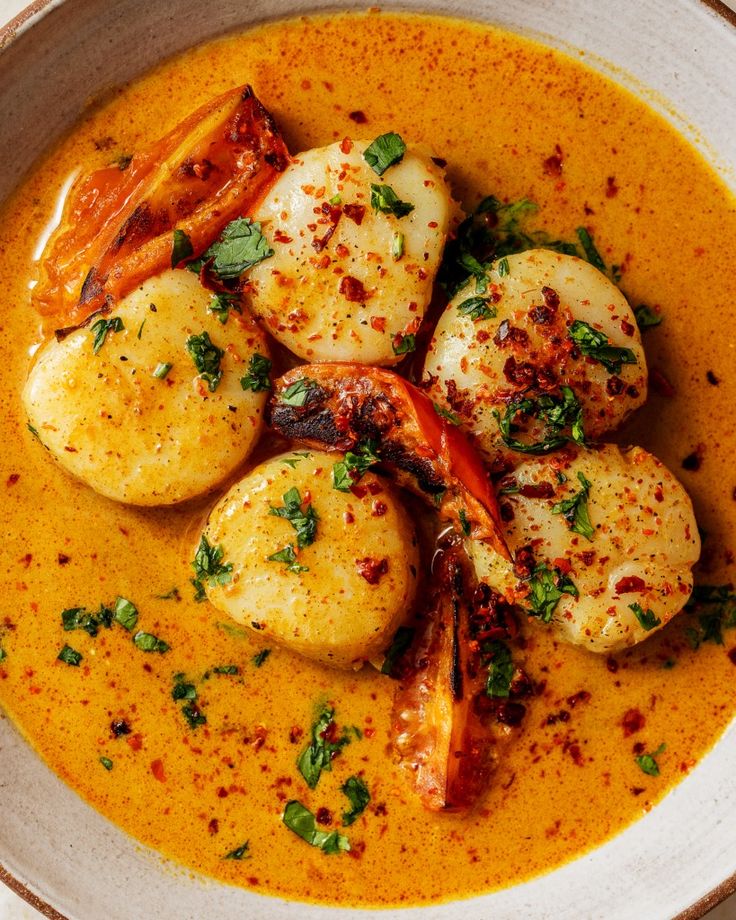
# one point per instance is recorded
(328, 573)
(146, 405)
(355, 253)
(605, 541)
(541, 350)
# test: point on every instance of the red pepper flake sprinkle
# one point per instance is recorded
(281, 237)
(157, 768)
(627, 328)
(372, 569)
(633, 721)
(346, 145)
(214, 826)
(353, 290)
(631, 584)
(553, 165)
(356, 212)
(358, 117)
(13, 478)
(612, 665)
(378, 323)
(611, 187)
(323, 816)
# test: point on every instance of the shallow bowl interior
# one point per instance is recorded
(55, 61)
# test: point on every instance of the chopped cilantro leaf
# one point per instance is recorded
(194, 715)
(397, 246)
(446, 414)
(257, 379)
(464, 522)
(261, 657)
(302, 822)
(226, 669)
(385, 200)
(503, 267)
(209, 567)
(589, 248)
(241, 852)
(349, 470)
(183, 691)
(647, 618)
(595, 344)
(106, 763)
(646, 318)
(404, 344)
(358, 795)
(221, 305)
(69, 656)
(240, 247)
(297, 393)
(3, 654)
(647, 763)
(500, 668)
(476, 308)
(181, 248)
(125, 613)
(296, 458)
(715, 606)
(557, 413)
(399, 644)
(385, 151)
(147, 642)
(304, 521)
(101, 328)
(322, 749)
(288, 557)
(207, 357)
(575, 510)
(547, 588)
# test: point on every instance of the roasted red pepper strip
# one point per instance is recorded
(117, 226)
(344, 405)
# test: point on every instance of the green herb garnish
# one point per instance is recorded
(207, 357)
(209, 567)
(297, 393)
(288, 557)
(464, 522)
(385, 200)
(257, 379)
(106, 763)
(547, 588)
(296, 458)
(595, 344)
(322, 749)
(125, 613)
(302, 822)
(575, 510)
(221, 305)
(348, 471)
(385, 151)
(101, 328)
(557, 414)
(261, 657)
(240, 247)
(147, 642)
(241, 852)
(69, 656)
(181, 248)
(589, 248)
(646, 762)
(503, 267)
(357, 792)
(404, 344)
(646, 318)
(397, 246)
(161, 371)
(647, 618)
(500, 668)
(476, 308)
(303, 521)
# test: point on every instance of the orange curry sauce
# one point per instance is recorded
(511, 118)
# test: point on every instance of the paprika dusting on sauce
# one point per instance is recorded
(210, 739)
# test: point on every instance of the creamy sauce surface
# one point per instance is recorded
(496, 107)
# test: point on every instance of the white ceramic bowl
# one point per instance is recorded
(54, 849)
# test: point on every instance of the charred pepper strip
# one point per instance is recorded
(119, 226)
(341, 406)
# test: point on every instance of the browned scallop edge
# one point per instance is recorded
(8, 33)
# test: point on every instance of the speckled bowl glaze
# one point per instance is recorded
(55, 850)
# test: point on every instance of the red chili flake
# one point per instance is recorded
(633, 721)
(639, 747)
(694, 461)
(323, 816)
(295, 733)
(214, 826)
(372, 569)
(627, 328)
(542, 315)
(611, 187)
(358, 117)
(553, 165)
(356, 212)
(281, 237)
(712, 379)
(349, 517)
(631, 584)
(379, 509)
(612, 665)
(13, 478)
(520, 373)
(508, 333)
(157, 768)
(659, 493)
(587, 557)
(582, 696)
(222, 793)
(551, 297)
(63, 559)
(510, 713)
(660, 384)
(614, 386)
(135, 742)
(563, 565)
(732, 655)
(378, 323)
(577, 755)
(353, 290)
(537, 490)
(346, 145)
(507, 511)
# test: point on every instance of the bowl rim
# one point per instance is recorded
(9, 33)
